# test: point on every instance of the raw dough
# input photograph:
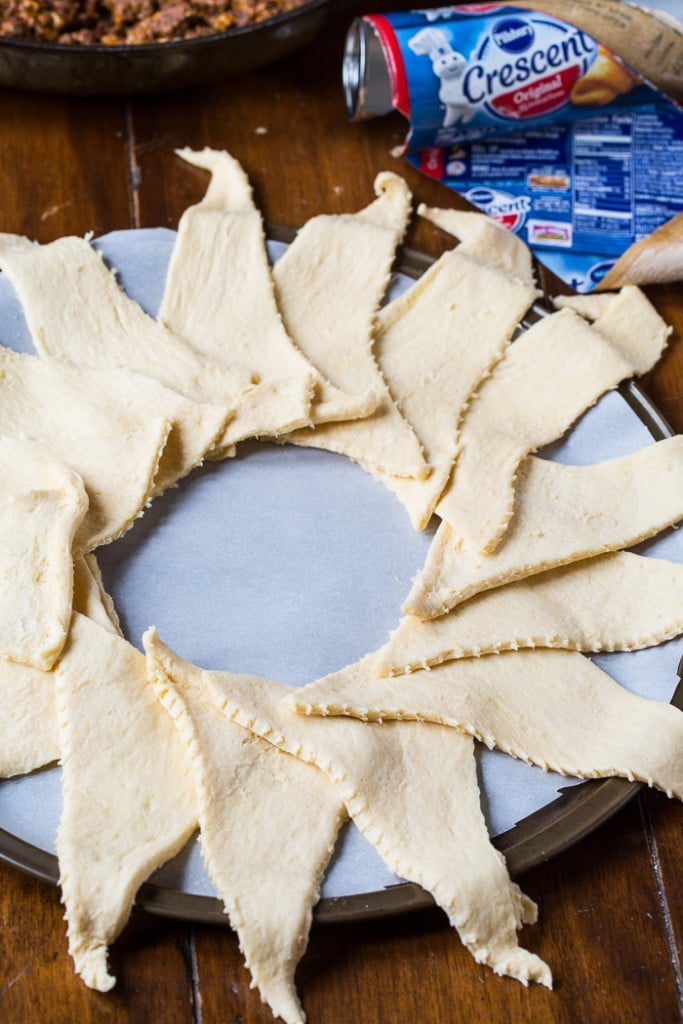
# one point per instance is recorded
(219, 296)
(268, 825)
(329, 284)
(77, 312)
(197, 429)
(134, 786)
(554, 709)
(412, 790)
(484, 240)
(632, 324)
(90, 597)
(67, 410)
(516, 411)
(615, 602)
(128, 799)
(591, 307)
(29, 736)
(42, 506)
(595, 509)
(433, 345)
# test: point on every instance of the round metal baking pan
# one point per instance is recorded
(576, 812)
(158, 67)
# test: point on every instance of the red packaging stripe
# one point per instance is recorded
(392, 51)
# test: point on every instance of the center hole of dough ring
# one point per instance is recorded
(283, 562)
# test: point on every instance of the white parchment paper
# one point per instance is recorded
(291, 563)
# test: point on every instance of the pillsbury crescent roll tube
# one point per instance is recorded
(534, 120)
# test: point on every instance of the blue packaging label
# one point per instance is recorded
(540, 126)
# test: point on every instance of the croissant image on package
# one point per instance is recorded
(605, 79)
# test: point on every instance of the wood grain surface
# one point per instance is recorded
(611, 907)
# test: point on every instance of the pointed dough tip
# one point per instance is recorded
(91, 964)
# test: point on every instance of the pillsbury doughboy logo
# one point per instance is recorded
(449, 66)
(506, 209)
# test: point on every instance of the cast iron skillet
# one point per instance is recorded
(157, 67)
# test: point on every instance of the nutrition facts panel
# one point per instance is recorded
(617, 160)
(603, 181)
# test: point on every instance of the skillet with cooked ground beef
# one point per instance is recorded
(119, 22)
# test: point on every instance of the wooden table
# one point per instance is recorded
(611, 908)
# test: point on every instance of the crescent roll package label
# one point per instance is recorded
(535, 121)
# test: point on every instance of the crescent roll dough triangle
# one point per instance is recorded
(434, 344)
(268, 825)
(128, 799)
(29, 736)
(197, 428)
(42, 505)
(90, 597)
(588, 306)
(554, 709)
(329, 285)
(563, 514)
(76, 311)
(219, 296)
(115, 453)
(632, 324)
(615, 602)
(484, 240)
(515, 412)
(427, 825)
